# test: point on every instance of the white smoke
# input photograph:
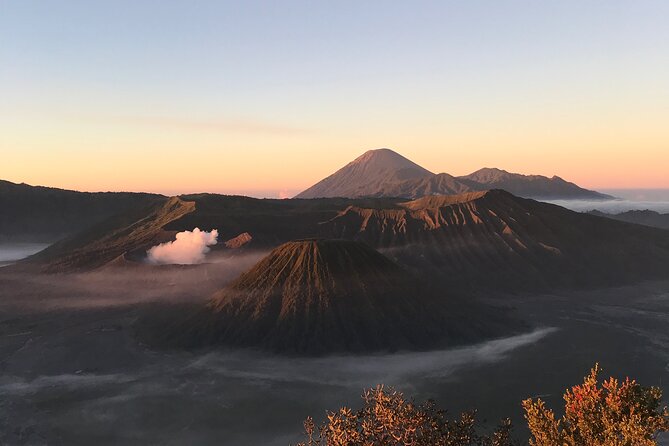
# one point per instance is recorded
(189, 248)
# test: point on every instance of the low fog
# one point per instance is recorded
(354, 371)
(11, 252)
(613, 206)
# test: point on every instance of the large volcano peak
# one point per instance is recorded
(374, 173)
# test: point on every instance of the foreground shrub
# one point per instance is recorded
(613, 414)
(387, 419)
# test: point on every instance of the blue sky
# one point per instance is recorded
(454, 85)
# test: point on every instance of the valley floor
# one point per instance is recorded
(71, 372)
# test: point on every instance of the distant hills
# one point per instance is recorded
(645, 217)
(36, 213)
(385, 173)
(324, 296)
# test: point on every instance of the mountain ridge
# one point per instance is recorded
(496, 240)
(47, 213)
(388, 180)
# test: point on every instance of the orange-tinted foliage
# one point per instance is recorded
(613, 414)
(387, 419)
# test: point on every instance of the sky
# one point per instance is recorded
(266, 98)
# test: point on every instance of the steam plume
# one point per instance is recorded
(189, 248)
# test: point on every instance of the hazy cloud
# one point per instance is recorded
(19, 385)
(227, 125)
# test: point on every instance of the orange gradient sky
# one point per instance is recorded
(266, 101)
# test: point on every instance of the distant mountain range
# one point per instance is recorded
(45, 214)
(384, 173)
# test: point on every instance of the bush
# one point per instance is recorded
(387, 419)
(613, 414)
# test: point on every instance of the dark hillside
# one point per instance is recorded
(36, 213)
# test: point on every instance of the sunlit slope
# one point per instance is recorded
(496, 239)
(104, 242)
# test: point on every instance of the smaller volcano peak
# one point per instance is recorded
(317, 296)
(313, 271)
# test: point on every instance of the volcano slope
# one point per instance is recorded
(324, 296)
(118, 236)
(493, 239)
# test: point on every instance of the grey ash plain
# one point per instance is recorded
(73, 373)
